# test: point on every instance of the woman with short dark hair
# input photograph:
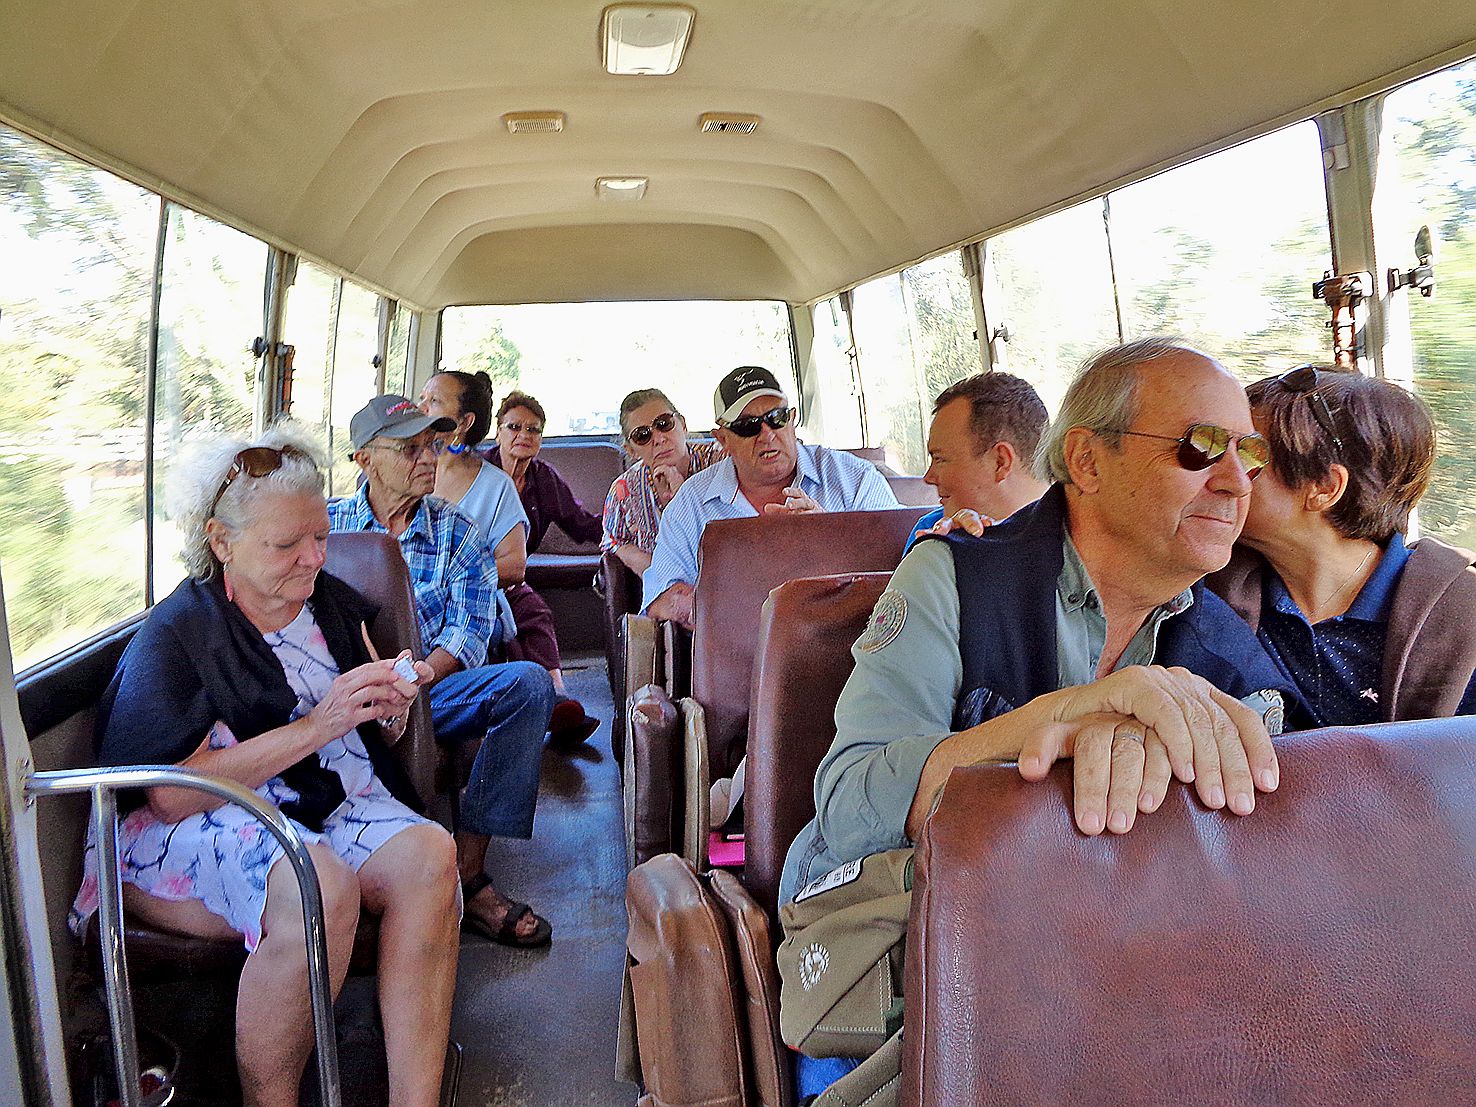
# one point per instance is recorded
(1370, 629)
(547, 499)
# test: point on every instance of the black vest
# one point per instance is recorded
(1007, 621)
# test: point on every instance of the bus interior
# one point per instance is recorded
(214, 216)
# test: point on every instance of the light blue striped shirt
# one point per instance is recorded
(836, 481)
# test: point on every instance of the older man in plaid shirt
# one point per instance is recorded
(507, 705)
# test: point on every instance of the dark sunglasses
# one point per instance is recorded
(1303, 382)
(535, 429)
(748, 426)
(1203, 444)
(255, 461)
(639, 436)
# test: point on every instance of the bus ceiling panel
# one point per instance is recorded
(799, 235)
(961, 117)
(357, 180)
(687, 233)
(375, 226)
(659, 262)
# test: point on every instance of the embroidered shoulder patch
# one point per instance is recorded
(887, 620)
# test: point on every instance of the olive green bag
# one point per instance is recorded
(840, 964)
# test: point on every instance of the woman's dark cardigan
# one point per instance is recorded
(198, 659)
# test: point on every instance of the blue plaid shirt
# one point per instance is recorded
(443, 549)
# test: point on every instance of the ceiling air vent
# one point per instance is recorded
(534, 122)
(728, 122)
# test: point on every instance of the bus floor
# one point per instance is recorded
(537, 1027)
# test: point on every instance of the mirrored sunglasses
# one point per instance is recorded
(1303, 381)
(254, 461)
(639, 436)
(1203, 444)
(748, 426)
(535, 429)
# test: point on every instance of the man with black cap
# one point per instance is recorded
(506, 705)
(766, 472)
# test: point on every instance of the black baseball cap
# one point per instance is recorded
(740, 388)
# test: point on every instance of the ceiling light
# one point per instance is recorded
(645, 39)
(534, 122)
(622, 189)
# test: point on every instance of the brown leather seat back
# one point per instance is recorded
(740, 561)
(589, 468)
(803, 662)
(373, 564)
(913, 491)
(1317, 951)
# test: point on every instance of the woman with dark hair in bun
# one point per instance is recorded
(1371, 628)
(485, 494)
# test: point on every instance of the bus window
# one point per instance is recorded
(895, 406)
(209, 311)
(915, 331)
(581, 360)
(354, 379)
(1223, 252)
(75, 300)
(1430, 138)
(940, 313)
(335, 326)
(835, 406)
(1050, 285)
(397, 363)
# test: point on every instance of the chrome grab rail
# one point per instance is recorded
(103, 783)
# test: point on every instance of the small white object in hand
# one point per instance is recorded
(405, 668)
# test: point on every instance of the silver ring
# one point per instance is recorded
(1134, 735)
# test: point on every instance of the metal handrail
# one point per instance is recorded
(103, 783)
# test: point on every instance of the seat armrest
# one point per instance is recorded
(696, 785)
(652, 771)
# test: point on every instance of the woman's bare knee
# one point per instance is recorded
(337, 884)
(418, 864)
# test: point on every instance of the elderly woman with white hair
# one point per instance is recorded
(257, 669)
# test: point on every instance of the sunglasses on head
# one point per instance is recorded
(1203, 444)
(1303, 382)
(255, 461)
(639, 436)
(748, 426)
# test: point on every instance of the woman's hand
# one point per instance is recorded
(962, 519)
(372, 691)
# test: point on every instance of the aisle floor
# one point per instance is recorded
(537, 1027)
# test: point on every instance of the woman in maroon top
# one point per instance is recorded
(547, 499)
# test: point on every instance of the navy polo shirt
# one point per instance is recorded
(1338, 665)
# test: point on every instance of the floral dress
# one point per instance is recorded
(222, 857)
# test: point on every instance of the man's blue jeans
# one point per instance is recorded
(508, 707)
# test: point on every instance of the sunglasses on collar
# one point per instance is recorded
(639, 436)
(1303, 381)
(1203, 444)
(748, 426)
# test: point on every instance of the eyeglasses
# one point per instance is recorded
(411, 451)
(639, 436)
(255, 461)
(748, 426)
(1303, 382)
(535, 429)
(1203, 444)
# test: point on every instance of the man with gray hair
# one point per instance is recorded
(1077, 628)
